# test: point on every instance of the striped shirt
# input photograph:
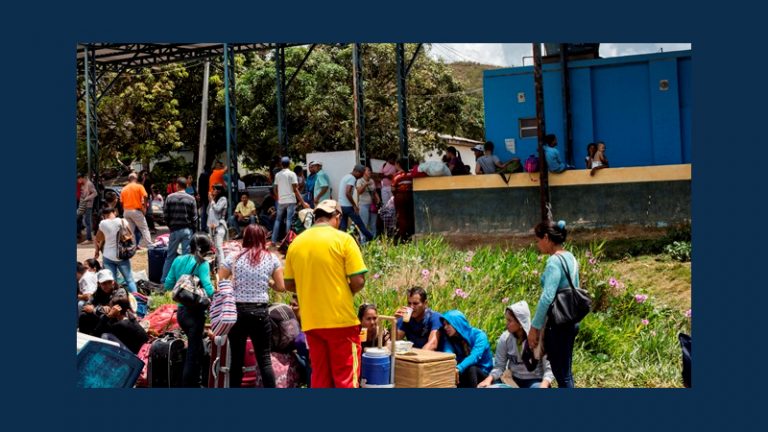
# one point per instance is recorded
(180, 211)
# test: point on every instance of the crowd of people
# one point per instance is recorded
(323, 267)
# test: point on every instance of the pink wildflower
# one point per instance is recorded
(688, 313)
(376, 276)
(425, 273)
(468, 269)
(592, 261)
(641, 298)
(645, 322)
(588, 254)
(460, 293)
(505, 300)
(612, 282)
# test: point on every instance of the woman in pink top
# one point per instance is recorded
(388, 172)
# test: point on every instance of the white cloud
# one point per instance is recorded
(519, 54)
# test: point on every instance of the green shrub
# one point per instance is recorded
(679, 250)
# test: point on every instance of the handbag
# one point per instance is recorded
(189, 292)
(126, 245)
(223, 309)
(570, 305)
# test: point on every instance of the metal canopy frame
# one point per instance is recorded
(94, 60)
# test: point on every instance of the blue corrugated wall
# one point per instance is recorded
(616, 100)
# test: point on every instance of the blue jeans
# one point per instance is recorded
(290, 208)
(349, 212)
(183, 236)
(368, 218)
(193, 324)
(558, 342)
(88, 220)
(527, 383)
(125, 269)
(234, 223)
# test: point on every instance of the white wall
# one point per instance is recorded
(336, 165)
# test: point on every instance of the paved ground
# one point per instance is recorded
(138, 262)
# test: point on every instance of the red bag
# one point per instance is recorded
(532, 164)
(163, 319)
(144, 356)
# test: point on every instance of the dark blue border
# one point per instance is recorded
(728, 224)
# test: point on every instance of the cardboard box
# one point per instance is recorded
(425, 369)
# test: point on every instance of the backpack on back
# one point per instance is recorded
(285, 327)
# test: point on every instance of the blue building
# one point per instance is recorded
(640, 106)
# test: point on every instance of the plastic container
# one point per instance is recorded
(376, 367)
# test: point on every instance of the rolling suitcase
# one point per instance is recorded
(221, 362)
(166, 361)
(156, 260)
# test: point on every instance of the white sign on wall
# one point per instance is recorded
(510, 143)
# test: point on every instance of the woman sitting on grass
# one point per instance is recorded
(473, 352)
(509, 352)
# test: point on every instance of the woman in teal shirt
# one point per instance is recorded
(192, 320)
(558, 339)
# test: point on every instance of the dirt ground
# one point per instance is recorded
(578, 236)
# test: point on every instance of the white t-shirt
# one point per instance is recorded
(110, 228)
(88, 283)
(365, 198)
(347, 180)
(285, 180)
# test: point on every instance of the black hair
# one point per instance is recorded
(200, 245)
(80, 267)
(364, 308)
(391, 156)
(549, 138)
(417, 290)
(554, 230)
(181, 181)
(93, 263)
(108, 210)
(488, 146)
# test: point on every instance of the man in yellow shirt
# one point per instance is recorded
(244, 215)
(325, 267)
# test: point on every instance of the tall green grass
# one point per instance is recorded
(615, 346)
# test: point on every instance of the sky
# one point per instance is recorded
(509, 55)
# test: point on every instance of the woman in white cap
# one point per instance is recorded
(509, 352)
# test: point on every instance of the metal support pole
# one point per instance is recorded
(402, 103)
(301, 64)
(281, 129)
(567, 118)
(92, 121)
(231, 123)
(201, 152)
(357, 81)
(546, 213)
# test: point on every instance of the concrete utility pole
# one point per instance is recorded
(203, 123)
(546, 213)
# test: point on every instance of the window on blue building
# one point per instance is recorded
(528, 127)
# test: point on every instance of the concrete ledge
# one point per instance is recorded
(660, 173)
(639, 196)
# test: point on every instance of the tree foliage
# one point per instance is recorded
(150, 112)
